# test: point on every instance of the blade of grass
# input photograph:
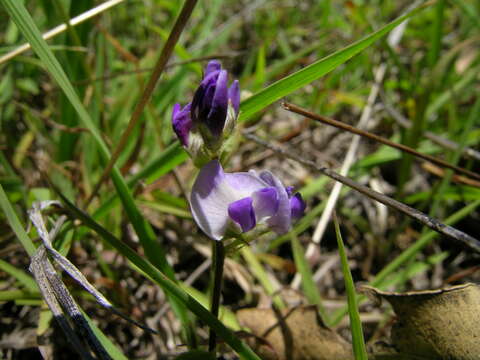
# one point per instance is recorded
(437, 33)
(61, 28)
(25, 279)
(15, 223)
(147, 237)
(308, 284)
(13, 295)
(358, 340)
(165, 54)
(163, 281)
(293, 82)
(108, 345)
(30, 248)
(259, 272)
(407, 255)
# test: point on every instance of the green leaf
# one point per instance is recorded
(259, 272)
(20, 275)
(170, 287)
(314, 71)
(147, 237)
(15, 223)
(308, 283)
(108, 345)
(409, 254)
(358, 341)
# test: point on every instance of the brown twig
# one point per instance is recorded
(346, 127)
(147, 93)
(64, 128)
(426, 220)
(459, 179)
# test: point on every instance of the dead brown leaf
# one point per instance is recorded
(293, 334)
(436, 324)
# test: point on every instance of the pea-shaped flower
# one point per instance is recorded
(212, 112)
(242, 200)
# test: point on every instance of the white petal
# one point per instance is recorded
(209, 200)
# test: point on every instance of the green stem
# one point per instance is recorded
(218, 259)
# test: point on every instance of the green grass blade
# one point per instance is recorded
(108, 345)
(258, 271)
(169, 286)
(15, 223)
(30, 31)
(437, 33)
(163, 164)
(308, 284)
(14, 295)
(314, 71)
(410, 253)
(25, 279)
(145, 232)
(358, 341)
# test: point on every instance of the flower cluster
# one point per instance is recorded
(234, 202)
(239, 201)
(202, 125)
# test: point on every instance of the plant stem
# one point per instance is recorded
(218, 258)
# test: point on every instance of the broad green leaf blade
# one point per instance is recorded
(314, 71)
(358, 341)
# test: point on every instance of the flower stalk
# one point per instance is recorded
(218, 259)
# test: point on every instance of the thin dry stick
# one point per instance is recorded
(62, 27)
(147, 93)
(149, 69)
(343, 126)
(426, 220)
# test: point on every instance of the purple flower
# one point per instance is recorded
(242, 200)
(182, 122)
(214, 108)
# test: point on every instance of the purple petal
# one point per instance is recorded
(289, 190)
(297, 205)
(218, 110)
(234, 95)
(182, 122)
(265, 202)
(213, 65)
(206, 103)
(211, 78)
(241, 211)
(203, 96)
(209, 200)
(176, 109)
(281, 221)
